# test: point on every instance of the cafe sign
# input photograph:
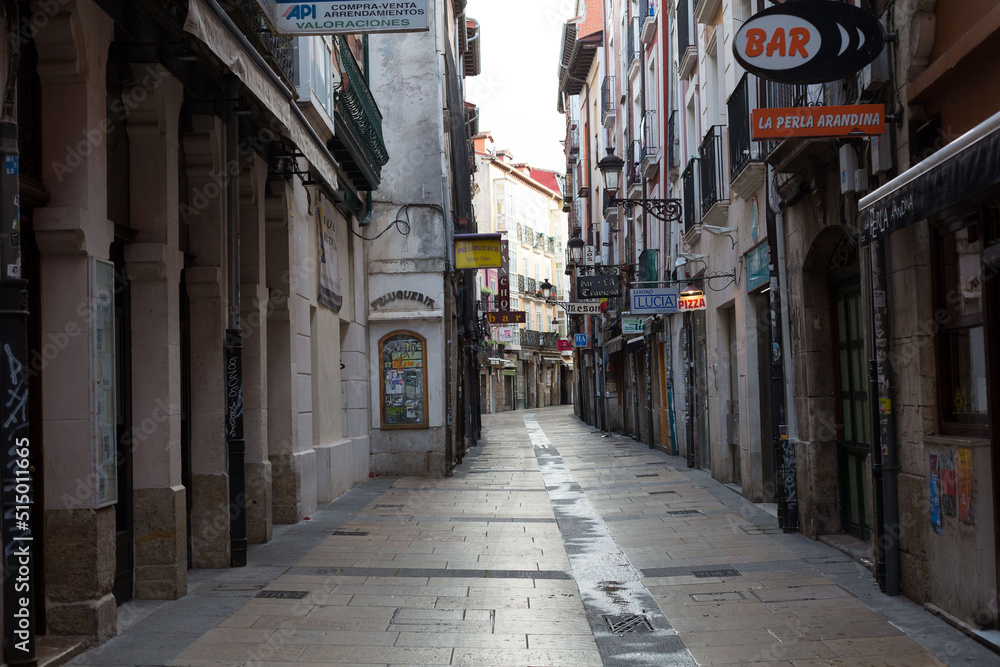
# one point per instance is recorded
(812, 41)
(691, 302)
(855, 120)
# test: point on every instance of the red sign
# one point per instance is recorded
(695, 302)
(508, 317)
(854, 120)
(564, 344)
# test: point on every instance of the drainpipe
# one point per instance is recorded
(16, 449)
(235, 444)
(886, 423)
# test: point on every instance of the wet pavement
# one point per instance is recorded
(550, 546)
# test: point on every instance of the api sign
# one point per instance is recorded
(808, 42)
(290, 17)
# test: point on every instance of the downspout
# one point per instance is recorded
(235, 444)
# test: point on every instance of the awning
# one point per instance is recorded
(230, 46)
(551, 359)
(962, 170)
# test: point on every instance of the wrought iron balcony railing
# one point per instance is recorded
(683, 25)
(714, 180)
(633, 162)
(673, 148)
(530, 286)
(690, 178)
(607, 100)
(573, 140)
(740, 145)
(277, 50)
(550, 244)
(520, 284)
(357, 107)
(650, 135)
(634, 45)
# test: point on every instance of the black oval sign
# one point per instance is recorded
(808, 41)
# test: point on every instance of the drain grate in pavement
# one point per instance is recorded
(660, 493)
(683, 512)
(239, 587)
(650, 475)
(282, 595)
(350, 533)
(387, 507)
(706, 574)
(630, 623)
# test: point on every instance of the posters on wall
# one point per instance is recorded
(946, 463)
(330, 294)
(935, 495)
(404, 389)
(964, 483)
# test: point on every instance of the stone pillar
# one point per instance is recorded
(154, 265)
(282, 401)
(71, 231)
(204, 152)
(253, 320)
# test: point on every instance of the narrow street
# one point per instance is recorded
(551, 545)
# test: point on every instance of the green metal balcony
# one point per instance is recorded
(358, 143)
(277, 50)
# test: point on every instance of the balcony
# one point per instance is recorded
(746, 170)
(650, 144)
(692, 217)
(277, 50)
(634, 46)
(550, 244)
(686, 46)
(794, 155)
(714, 177)
(633, 159)
(357, 144)
(520, 284)
(673, 148)
(647, 14)
(539, 339)
(573, 140)
(608, 102)
(530, 286)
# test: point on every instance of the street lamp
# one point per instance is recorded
(546, 289)
(575, 246)
(668, 210)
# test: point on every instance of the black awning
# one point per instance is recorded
(962, 170)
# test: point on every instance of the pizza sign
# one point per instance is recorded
(808, 41)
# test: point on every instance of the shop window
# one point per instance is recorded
(404, 380)
(962, 377)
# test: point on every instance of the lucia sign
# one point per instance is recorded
(808, 41)
(289, 17)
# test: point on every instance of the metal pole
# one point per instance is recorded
(689, 381)
(235, 444)
(887, 427)
(18, 486)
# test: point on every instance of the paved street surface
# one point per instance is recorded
(551, 545)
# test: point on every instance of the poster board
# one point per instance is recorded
(403, 383)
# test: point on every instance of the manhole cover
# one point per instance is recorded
(683, 512)
(650, 475)
(660, 493)
(282, 595)
(239, 587)
(387, 507)
(351, 533)
(632, 623)
(706, 574)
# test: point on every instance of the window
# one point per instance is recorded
(404, 380)
(961, 342)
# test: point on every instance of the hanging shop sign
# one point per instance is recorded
(691, 302)
(504, 334)
(330, 294)
(344, 17)
(581, 340)
(808, 42)
(564, 345)
(758, 267)
(597, 287)
(650, 300)
(631, 325)
(503, 278)
(581, 308)
(855, 120)
(506, 317)
(477, 251)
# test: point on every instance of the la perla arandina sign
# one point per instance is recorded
(808, 41)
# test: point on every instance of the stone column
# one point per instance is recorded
(204, 152)
(71, 231)
(282, 401)
(154, 265)
(253, 320)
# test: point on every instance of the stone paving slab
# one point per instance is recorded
(497, 566)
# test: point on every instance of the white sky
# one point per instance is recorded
(516, 91)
